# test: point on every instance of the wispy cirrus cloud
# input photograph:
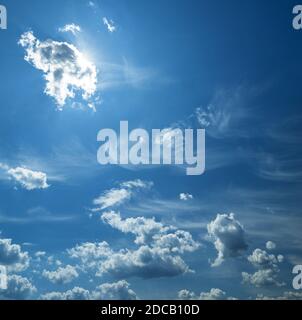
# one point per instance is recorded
(110, 25)
(73, 28)
(117, 196)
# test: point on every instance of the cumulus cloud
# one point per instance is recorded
(114, 291)
(144, 229)
(185, 196)
(62, 275)
(213, 294)
(12, 256)
(109, 24)
(73, 28)
(117, 196)
(267, 265)
(157, 255)
(90, 254)
(228, 236)
(108, 291)
(270, 245)
(76, 293)
(18, 288)
(66, 69)
(28, 179)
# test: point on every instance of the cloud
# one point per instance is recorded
(157, 255)
(109, 24)
(261, 278)
(108, 291)
(185, 196)
(287, 295)
(29, 179)
(226, 114)
(66, 70)
(73, 28)
(145, 262)
(114, 291)
(270, 245)
(18, 288)
(12, 256)
(213, 294)
(267, 265)
(144, 229)
(228, 236)
(62, 275)
(76, 293)
(117, 196)
(90, 253)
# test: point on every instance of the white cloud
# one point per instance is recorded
(62, 275)
(12, 256)
(268, 270)
(91, 4)
(66, 69)
(110, 198)
(109, 24)
(261, 278)
(145, 262)
(287, 295)
(90, 254)
(157, 255)
(114, 291)
(29, 179)
(18, 288)
(213, 294)
(228, 236)
(261, 259)
(144, 229)
(117, 196)
(76, 293)
(108, 291)
(270, 245)
(73, 28)
(185, 196)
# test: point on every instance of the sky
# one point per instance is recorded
(74, 229)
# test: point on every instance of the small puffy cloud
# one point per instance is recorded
(114, 291)
(62, 275)
(28, 179)
(262, 278)
(12, 256)
(73, 28)
(228, 236)
(117, 196)
(108, 291)
(185, 196)
(268, 269)
(90, 254)
(270, 245)
(66, 69)
(261, 259)
(76, 293)
(109, 24)
(18, 288)
(213, 294)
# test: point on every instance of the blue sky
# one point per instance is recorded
(231, 67)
